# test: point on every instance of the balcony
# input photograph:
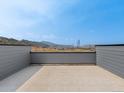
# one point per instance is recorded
(22, 70)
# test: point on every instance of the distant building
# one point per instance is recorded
(78, 43)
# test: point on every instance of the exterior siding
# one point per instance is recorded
(13, 58)
(58, 58)
(111, 58)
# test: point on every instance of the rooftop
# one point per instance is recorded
(57, 77)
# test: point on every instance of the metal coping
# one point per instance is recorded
(64, 52)
(13, 45)
(59, 52)
(110, 45)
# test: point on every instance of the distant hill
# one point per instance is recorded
(45, 44)
(4, 40)
(59, 46)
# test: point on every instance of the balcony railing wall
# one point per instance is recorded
(63, 58)
(13, 58)
(111, 58)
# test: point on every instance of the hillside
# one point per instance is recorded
(44, 44)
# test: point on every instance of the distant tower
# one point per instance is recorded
(78, 44)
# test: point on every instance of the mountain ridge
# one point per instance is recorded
(44, 44)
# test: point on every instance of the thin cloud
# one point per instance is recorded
(17, 15)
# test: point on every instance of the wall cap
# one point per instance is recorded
(110, 45)
(13, 45)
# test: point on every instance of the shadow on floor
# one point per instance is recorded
(11, 83)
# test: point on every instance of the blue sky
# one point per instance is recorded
(63, 21)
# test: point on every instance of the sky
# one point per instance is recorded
(63, 21)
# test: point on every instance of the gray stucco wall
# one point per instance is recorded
(57, 58)
(13, 58)
(111, 58)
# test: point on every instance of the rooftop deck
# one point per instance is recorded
(71, 78)
(17, 74)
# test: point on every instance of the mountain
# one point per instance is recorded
(59, 46)
(4, 40)
(34, 43)
(44, 44)
(48, 43)
(88, 46)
